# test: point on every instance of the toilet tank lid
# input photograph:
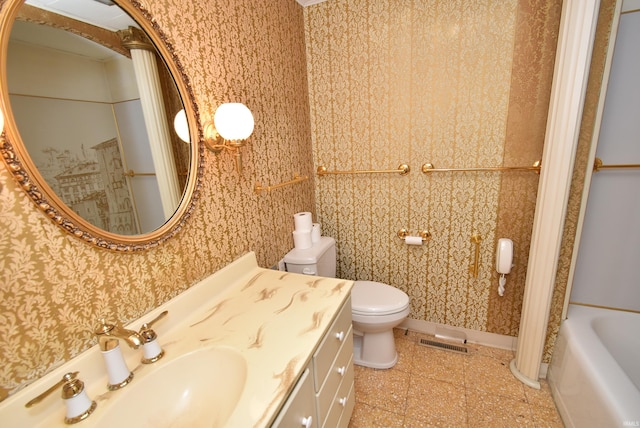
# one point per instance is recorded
(376, 298)
(310, 255)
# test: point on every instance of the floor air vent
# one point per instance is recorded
(445, 346)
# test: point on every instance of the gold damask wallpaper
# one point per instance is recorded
(349, 84)
(453, 83)
(54, 287)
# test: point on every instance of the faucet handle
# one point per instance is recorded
(152, 352)
(103, 327)
(79, 406)
(147, 326)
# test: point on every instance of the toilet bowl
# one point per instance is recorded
(376, 308)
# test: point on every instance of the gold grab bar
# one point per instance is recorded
(428, 168)
(258, 188)
(402, 170)
(132, 173)
(475, 239)
(597, 166)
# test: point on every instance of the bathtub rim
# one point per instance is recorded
(602, 386)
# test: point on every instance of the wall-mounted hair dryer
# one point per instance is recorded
(504, 260)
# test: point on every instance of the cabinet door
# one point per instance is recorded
(330, 345)
(299, 410)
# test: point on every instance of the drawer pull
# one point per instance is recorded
(342, 370)
(340, 336)
(306, 422)
(343, 401)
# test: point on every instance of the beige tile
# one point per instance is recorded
(540, 397)
(546, 417)
(435, 403)
(503, 355)
(485, 409)
(405, 349)
(438, 364)
(384, 389)
(401, 333)
(434, 388)
(492, 374)
(366, 416)
(358, 370)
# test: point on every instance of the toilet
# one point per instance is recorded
(376, 308)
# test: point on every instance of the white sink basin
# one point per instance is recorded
(199, 389)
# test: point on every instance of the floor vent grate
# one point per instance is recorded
(445, 346)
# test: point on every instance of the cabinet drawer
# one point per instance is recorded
(328, 348)
(339, 372)
(300, 406)
(342, 404)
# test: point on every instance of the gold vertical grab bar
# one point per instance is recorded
(402, 170)
(475, 239)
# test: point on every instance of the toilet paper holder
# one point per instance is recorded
(424, 234)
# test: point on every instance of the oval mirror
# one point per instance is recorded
(90, 90)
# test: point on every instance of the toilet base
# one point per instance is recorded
(375, 350)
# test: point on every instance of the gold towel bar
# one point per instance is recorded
(402, 170)
(258, 188)
(597, 166)
(428, 168)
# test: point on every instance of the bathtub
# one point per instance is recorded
(595, 369)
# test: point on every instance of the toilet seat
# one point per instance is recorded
(375, 298)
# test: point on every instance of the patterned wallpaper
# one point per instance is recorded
(54, 287)
(454, 83)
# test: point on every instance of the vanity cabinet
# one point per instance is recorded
(327, 383)
(332, 365)
(300, 408)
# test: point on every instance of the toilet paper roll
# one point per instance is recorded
(413, 240)
(316, 233)
(302, 239)
(303, 221)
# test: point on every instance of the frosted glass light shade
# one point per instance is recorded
(181, 126)
(233, 121)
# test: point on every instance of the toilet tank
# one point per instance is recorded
(319, 260)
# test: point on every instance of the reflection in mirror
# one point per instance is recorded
(80, 113)
(94, 104)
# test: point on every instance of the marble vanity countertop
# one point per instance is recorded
(273, 319)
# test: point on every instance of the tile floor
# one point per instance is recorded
(430, 387)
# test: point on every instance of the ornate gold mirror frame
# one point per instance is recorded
(25, 172)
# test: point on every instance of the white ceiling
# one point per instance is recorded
(94, 12)
(90, 11)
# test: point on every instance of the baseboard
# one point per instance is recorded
(493, 340)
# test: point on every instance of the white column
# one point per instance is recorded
(575, 41)
(148, 80)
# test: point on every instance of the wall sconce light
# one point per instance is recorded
(181, 126)
(232, 125)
